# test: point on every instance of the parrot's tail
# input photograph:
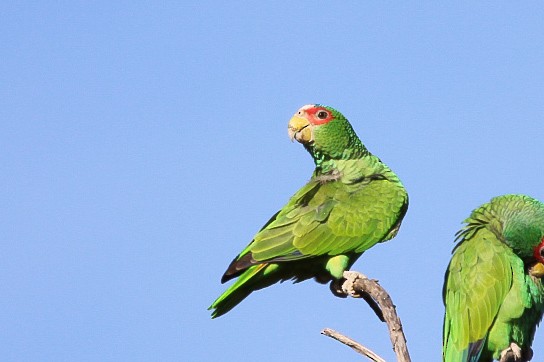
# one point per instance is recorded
(256, 277)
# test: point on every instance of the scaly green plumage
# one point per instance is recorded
(491, 295)
(352, 202)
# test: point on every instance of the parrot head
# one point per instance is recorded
(302, 125)
(323, 130)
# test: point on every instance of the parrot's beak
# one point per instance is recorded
(537, 270)
(300, 129)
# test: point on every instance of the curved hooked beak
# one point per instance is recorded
(537, 270)
(300, 129)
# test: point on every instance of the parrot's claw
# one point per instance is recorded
(344, 287)
(336, 289)
(512, 353)
(350, 279)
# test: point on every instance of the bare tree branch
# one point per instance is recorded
(353, 344)
(357, 285)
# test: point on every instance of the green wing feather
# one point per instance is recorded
(335, 219)
(478, 279)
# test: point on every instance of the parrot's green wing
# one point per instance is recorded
(330, 219)
(479, 277)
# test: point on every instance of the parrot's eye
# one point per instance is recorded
(322, 114)
(542, 252)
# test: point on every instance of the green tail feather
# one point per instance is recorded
(252, 279)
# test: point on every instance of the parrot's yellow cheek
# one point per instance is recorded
(537, 270)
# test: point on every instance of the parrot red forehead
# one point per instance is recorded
(317, 115)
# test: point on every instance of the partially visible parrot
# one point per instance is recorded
(493, 293)
(352, 202)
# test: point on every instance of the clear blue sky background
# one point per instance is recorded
(142, 144)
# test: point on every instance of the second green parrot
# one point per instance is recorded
(352, 201)
(493, 292)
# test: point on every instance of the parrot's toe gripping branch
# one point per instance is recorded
(346, 286)
(515, 354)
(349, 282)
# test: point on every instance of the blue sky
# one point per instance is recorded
(143, 144)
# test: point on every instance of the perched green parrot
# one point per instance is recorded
(493, 293)
(352, 202)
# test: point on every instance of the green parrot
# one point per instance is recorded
(493, 293)
(352, 202)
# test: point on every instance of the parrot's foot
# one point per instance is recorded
(344, 287)
(513, 353)
(350, 279)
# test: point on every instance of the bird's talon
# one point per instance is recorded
(349, 281)
(336, 289)
(514, 350)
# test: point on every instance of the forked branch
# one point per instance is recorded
(359, 286)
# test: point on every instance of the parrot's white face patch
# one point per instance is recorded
(303, 109)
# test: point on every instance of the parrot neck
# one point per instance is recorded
(353, 165)
(326, 161)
